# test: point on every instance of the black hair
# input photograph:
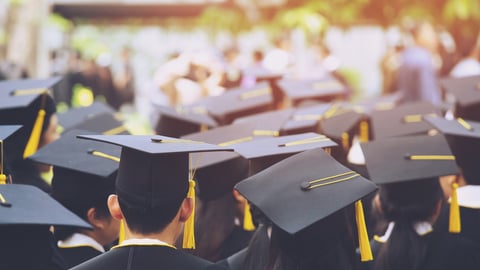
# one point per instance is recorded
(406, 203)
(149, 220)
(92, 193)
(466, 151)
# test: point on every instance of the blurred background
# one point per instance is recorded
(134, 47)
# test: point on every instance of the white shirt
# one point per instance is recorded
(422, 228)
(80, 240)
(469, 196)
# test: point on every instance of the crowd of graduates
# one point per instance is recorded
(283, 173)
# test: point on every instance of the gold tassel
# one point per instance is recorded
(455, 225)
(121, 232)
(3, 177)
(345, 141)
(363, 241)
(364, 136)
(247, 219)
(34, 139)
(189, 229)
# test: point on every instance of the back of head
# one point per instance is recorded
(407, 203)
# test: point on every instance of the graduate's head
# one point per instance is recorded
(153, 181)
(84, 176)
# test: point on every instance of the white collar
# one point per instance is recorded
(469, 196)
(422, 228)
(80, 240)
(355, 154)
(143, 242)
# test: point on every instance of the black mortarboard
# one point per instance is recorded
(305, 119)
(69, 119)
(7, 131)
(239, 102)
(464, 140)
(267, 123)
(264, 153)
(153, 169)
(408, 158)
(104, 123)
(466, 94)
(28, 205)
(218, 172)
(83, 170)
(403, 120)
(179, 121)
(27, 103)
(324, 89)
(307, 188)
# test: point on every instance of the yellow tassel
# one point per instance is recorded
(121, 232)
(364, 136)
(247, 219)
(363, 241)
(189, 229)
(455, 225)
(345, 141)
(34, 139)
(3, 179)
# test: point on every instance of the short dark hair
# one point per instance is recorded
(151, 219)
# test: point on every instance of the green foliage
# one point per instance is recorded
(87, 41)
(218, 19)
(57, 21)
(310, 21)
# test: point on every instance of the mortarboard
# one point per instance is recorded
(217, 172)
(83, 170)
(408, 158)
(324, 89)
(403, 120)
(69, 119)
(305, 119)
(239, 102)
(105, 123)
(286, 192)
(27, 102)
(154, 171)
(264, 153)
(28, 205)
(466, 95)
(267, 123)
(179, 121)
(5, 132)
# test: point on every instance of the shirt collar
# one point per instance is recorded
(422, 228)
(469, 196)
(80, 240)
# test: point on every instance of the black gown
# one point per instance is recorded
(145, 257)
(236, 241)
(444, 251)
(470, 220)
(234, 262)
(76, 255)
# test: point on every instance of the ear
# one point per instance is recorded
(238, 197)
(114, 207)
(186, 209)
(94, 219)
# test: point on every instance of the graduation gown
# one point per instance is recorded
(234, 262)
(469, 213)
(236, 241)
(79, 248)
(144, 257)
(444, 251)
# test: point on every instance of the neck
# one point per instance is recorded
(168, 235)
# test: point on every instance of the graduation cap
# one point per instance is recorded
(466, 95)
(324, 89)
(84, 171)
(5, 132)
(305, 119)
(418, 159)
(305, 189)
(239, 102)
(105, 123)
(73, 117)
(264, 153)
(408, 158)
(179, 121)
(27, 102)
(406, 119)
(154, 170)
(267, 123)
(28, 205)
